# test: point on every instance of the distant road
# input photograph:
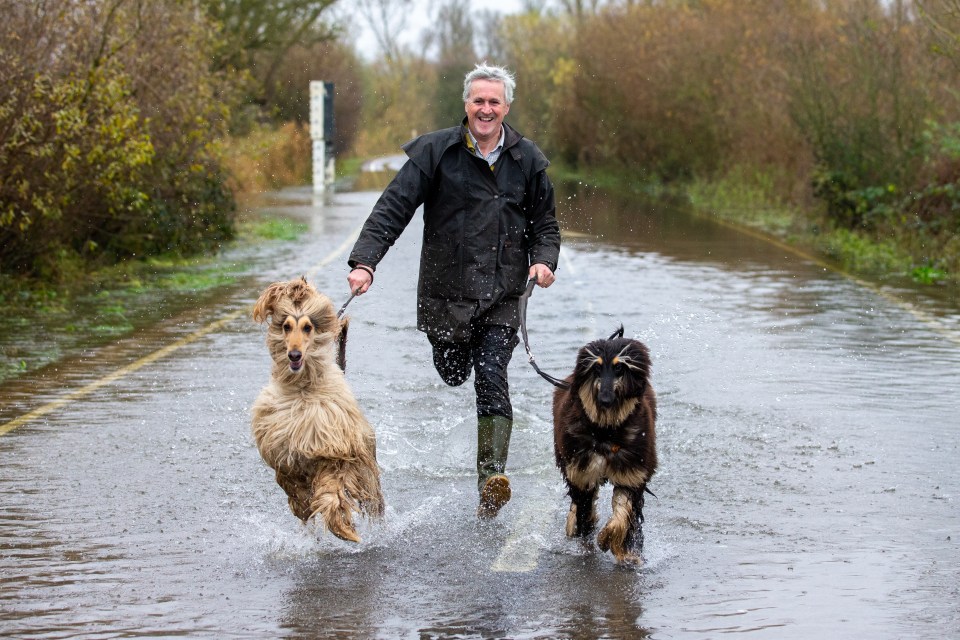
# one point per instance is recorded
(385, 163)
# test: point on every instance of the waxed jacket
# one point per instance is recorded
(482, 228)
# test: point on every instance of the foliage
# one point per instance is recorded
(258, 34)
(394, 109)
(108, 122)
(943, 19)
(535, 46)
(269, 158)
(330, 61)
(674, 90)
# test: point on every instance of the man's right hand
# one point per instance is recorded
(360, 279)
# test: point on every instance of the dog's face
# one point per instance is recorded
(302, 321)
(610, 377)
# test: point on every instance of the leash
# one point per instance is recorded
(342, 346)
(526, 342)
(349, 300)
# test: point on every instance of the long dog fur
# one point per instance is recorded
(306, 422)
(604, 430)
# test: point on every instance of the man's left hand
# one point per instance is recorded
(543, 274)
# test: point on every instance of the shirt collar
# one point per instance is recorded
(474, 146)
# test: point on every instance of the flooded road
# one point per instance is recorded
(808, 439)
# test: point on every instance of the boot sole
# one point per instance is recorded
(495, 493)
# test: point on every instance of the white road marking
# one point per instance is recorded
(522, 548)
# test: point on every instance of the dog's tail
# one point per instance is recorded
(343, 488)
(342, 343)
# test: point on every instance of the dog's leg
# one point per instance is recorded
(297, 488)
(582, 517)
(332, 503)
(620, 533)
(361, 481)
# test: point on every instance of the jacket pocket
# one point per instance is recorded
(514, 265)
(440, 268)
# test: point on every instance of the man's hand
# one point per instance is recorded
(360, 279)
(543, 274)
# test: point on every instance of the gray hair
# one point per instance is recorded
(485, 71)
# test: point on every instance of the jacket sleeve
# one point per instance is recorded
(390, 216)
(542, 226)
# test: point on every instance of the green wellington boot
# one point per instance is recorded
(493, 443)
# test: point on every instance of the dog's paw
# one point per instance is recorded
(571, 528)
(343, 529)
(613, 538)
(629, 559)
(603, 538)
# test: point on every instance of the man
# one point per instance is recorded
(489, 224)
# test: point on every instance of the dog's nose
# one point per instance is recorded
(606, 398)
(294, 356)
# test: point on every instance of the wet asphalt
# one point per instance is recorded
(807, 440)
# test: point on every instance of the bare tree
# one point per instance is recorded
(387, 19)
(453, 36)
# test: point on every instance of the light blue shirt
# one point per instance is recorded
(494, 155)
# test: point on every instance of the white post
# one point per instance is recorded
(321, 102)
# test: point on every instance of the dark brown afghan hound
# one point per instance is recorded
(603, 428)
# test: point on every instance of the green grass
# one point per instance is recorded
(41, 321)
(274, 229)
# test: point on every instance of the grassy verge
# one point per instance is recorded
(750, 200)
(40, 323)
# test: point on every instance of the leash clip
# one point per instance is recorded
(349, 300)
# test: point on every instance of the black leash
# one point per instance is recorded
(526, 342)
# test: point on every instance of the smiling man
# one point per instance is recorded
(488, 224)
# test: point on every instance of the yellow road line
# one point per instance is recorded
(119, 373)
(346, 244)
(163, 352)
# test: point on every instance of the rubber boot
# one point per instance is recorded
(493, 444)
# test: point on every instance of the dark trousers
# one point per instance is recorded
(488, 353)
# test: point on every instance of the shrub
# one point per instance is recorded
(109, 118)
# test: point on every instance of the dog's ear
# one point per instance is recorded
(267, 302)
(342, 343)
(616, 334)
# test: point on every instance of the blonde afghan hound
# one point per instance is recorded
(306, 422)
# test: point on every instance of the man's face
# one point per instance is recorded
(486, 106)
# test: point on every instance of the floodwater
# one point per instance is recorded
(808, 439)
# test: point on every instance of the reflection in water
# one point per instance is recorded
(331, 596)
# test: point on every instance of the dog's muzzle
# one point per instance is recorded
(606, 396)
(296, 360)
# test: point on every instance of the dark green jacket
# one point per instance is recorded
(482, 228)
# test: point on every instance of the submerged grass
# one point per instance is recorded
(42, 321)
(753, 199)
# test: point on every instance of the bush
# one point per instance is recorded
(108, 122)
(269, 158)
